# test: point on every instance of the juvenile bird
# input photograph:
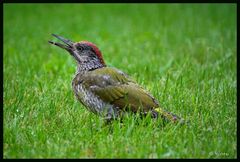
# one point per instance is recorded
(107, 91)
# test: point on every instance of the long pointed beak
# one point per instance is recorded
(67, 46)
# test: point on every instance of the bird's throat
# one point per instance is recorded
(89, 66)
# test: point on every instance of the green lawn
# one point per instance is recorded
(185, 55)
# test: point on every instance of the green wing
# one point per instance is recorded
(115, 87)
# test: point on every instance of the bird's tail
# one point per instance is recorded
(167, 116)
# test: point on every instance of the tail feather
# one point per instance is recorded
(168, 116)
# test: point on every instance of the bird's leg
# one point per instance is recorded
(108, 119)
(111, 114)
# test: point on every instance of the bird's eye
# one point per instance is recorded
(80, 48)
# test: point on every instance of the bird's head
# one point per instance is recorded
(84, 52)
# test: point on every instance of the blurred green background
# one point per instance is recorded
(185, 54)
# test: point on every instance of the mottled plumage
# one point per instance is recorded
(107, 91)
(109, 88)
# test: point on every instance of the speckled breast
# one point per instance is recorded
(92, 102)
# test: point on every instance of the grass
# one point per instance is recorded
(184, 54)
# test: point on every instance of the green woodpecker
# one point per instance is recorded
(107, 91)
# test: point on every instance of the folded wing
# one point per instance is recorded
(115, 87)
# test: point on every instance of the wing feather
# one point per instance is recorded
(115, 87)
